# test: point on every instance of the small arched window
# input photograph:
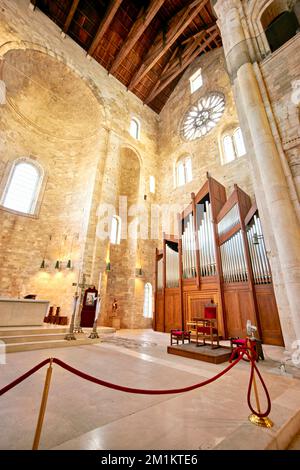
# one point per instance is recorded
(23, 186)
(115, 232)
(147, 312)
(184, 171)
(134, 129)
(233, 146)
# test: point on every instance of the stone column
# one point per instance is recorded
(270, 178)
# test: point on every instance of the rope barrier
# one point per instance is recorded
(240, 352)
(23, 377)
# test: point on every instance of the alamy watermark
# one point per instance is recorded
(138, 221)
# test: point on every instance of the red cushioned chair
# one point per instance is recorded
(207, 327)
(180, 335)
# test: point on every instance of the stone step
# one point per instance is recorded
(19, 331)
(62, 343)
(32, 338)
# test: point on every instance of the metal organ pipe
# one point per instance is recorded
(229, 220)
(189, 249)
(233, 259)
(258, 255)
(206, 243)
(172, 267)
(160, 274)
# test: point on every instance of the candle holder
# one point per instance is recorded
(71, 336)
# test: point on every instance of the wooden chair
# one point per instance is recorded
(207, 327)
(180, 335)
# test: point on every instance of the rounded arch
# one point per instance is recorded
(128, 146)
(27, 45)
(182, 169)
(12, 195)
(257, 17)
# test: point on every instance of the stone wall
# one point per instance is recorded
(281, 73)
(205, 152)
(65, 111)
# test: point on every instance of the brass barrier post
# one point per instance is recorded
(264, 422)
(39, 425)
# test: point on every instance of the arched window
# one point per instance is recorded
(184, 171)
(23, 187)
(280, 22)
(232, 146)
(148, 313)
(134, 129)
(115, 232)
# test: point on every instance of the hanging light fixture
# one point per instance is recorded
(58, 261)
(43, 263)
(57, 264)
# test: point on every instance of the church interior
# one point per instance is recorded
(150, 215)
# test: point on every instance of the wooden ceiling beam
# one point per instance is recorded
(70, 16)
(164, 81)
(177, 26)
(104, 25)
(138, 28)
(187, 51)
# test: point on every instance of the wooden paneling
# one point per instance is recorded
(268, 314)
(239, 307)
(159, 312)
(195, 301)
(173, 317)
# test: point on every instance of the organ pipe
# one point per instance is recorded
(233, 259)
(258, 255)
(172, 267)
(160, 283)
(229, 220)
(206, 243)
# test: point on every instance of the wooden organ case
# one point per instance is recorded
(219, 256)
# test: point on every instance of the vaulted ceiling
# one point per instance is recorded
(146, 45)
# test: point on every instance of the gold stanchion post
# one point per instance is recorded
(39, 425)
(264, 422)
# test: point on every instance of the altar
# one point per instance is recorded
(22, 312)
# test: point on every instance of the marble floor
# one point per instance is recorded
(83, 415)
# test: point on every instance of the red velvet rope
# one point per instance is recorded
(254, 368)
(23, 377)
(140, 390)
(241, 351)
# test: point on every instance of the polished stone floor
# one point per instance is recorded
(83, 415)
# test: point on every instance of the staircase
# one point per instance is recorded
(27, 339)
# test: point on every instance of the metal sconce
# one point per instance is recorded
(57, 264)
(108, 266)
(69, 264)
(138, 272)
(43, 263)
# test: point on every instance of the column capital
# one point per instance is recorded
(222, 7)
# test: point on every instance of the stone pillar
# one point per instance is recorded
(268, 171)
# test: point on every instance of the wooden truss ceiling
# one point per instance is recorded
(146, 45)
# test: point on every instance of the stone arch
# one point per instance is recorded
(257, 13)
(27, 45)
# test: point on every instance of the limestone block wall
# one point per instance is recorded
(205, 152)
(281, 73)
(74, 123)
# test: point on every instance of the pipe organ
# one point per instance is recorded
(189, 248)
(258, 254)
(160, 268)
(172, 267)
(220, 255)
(233, 259)
(206, 240)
